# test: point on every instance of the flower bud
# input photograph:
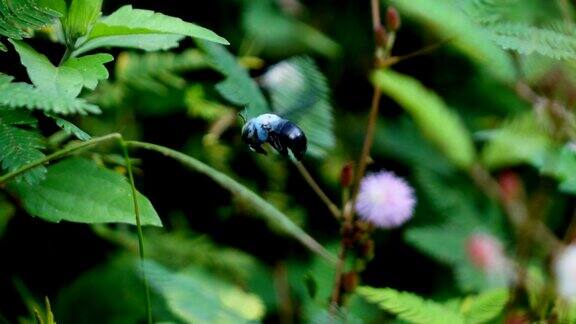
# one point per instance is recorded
(393, 20)
(347, 175)
(349, 281)
(485, 251)
(510, 185)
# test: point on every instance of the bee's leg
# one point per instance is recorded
(258, 149)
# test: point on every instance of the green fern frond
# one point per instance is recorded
(20, 144)
(70, 128)
(156, 70)
(411, 307)
(19, 94)
(299, 92)
(486, 306)
(19, 17)
(549, 41)
(238, 88)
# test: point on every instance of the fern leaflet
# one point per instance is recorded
(411, 307)
(20, 144)
(551, 41)
(19, 17)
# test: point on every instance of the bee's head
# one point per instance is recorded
(249, 133)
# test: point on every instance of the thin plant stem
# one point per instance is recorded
(58, 154)
(314, 185)
(381, 52)
(368, 141)
(139, 228)
(232, 185)
(516, 211)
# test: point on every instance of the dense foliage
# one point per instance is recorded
(437, 186)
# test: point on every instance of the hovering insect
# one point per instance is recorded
(281, 133)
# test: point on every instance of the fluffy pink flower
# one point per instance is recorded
(385, 200)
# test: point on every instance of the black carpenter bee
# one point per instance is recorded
(281, 133)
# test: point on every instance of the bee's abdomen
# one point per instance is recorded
(295, 139)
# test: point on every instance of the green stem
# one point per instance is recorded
(314, 185)
(139, 228)
(58, 154)
(260, 204)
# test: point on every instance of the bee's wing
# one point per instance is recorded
(292, 88)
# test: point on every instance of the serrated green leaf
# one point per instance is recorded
(59, 85)
(19, 94)
(439, 124)
(238, 87)
(521, 140)
(20, 144)
(197, 296)
(411, 307)
(54, 81)
(299, 93)
(80, 17)
(451, 23)
(486, 306)
(131, 27)
(70, 128)
(78, 190)
(91, 68)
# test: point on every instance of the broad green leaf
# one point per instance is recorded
(91, 67)
(145, 42)
(439, 124)
(128, 25)
(19, 94)
(521, 140)
(81, 15)
(238, 87)
(263, 207)
(451, 23)
(78, 190)
(197, 296)
(486, 306)
(411, 307)
(20, 144)
(54, 81)
(299, 92)
(111, 292)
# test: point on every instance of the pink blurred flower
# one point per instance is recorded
(385, 200)
(487, 254)
(565, 271)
